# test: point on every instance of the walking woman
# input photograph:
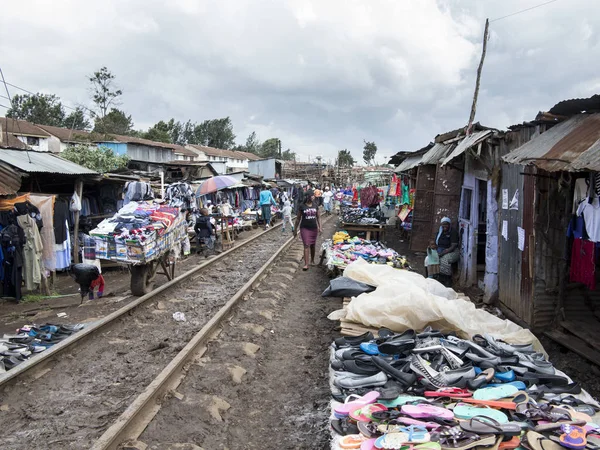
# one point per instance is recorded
(308, 221)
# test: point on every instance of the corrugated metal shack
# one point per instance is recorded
(545, 161)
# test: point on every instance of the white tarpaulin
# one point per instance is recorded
(406, 299)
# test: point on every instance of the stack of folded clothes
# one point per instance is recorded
(31, 339)
(433, 391)
(341, 250)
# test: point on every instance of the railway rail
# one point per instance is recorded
(102, 385)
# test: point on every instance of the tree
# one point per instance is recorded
(344, 159)
(252, 144)
(101, 159)
(216, 133)
(161, 132)
(42, 109)
(288, 155)
(270, 148)
(76, 121)
(115, 122)
(370, 149)
(104, 92)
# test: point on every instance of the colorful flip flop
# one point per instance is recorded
(351, 441)
(355, 403)
(364, 414)
(495, 393)
(424, 410)
(450, 392)
(573, 436)
(462, 411)
(401, 400)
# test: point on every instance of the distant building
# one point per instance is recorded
(27, 133)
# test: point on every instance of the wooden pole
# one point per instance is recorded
(478, 81)
(79, 191)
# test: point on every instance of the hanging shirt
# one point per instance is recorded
(591, 216)
(309, 216)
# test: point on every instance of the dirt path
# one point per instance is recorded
(81, 394)
(263, 383)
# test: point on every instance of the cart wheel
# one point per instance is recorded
(142, 279)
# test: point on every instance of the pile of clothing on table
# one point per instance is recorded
(137, 224)
(342, 250)
(363, 216)
(434, 391)
(31, 339)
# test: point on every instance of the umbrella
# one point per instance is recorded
(214, 184)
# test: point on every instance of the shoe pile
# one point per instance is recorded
(431, 391)
(31, 339)
(362, 216)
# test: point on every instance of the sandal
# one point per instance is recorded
(573, 436)
(344, 427)
(456, 439)
(537, 441)
(487, 425)
(351, 441)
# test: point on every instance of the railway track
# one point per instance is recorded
(102, 385)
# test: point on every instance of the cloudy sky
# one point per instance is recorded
(320, 74)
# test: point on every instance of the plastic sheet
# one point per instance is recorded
(406, 299)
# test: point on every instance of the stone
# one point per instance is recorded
(237, 372)
(267, 314)
(134, 445)
(218, 405)
(161, 305)
(250, 349)
(256, 329)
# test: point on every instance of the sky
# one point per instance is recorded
(321, 75)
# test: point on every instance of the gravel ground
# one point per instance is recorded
(117, 294)
(263, 383)
(85, 390)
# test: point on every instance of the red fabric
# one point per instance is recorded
(583, 267)
(354, 195)
(98, 282)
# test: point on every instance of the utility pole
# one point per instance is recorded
(477, 82)
(279, 145)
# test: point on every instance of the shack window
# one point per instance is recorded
(33, 141)
(465, 203)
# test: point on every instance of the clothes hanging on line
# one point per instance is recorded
(591, 215)
(583, 265)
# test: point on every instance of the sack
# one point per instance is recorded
(75, 204)
(346, 287)
(433, 257)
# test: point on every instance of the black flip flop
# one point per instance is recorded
(344, 427)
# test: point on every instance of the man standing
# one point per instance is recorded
(266, 200)
(327, 200)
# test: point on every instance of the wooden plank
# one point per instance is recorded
(583, 332)
(575, 344)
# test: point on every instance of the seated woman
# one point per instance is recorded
(447, 248)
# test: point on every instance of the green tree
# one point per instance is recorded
(104, 92)
(369, 151)
(344, 159)
(40, 108)
(161, 132)
(101, 159)
(76, 120)
(115, 122)
(270, 148)
(216, 133)
(288, 155)
(253, 145)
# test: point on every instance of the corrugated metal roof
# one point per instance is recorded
(571, 145)
(10, 180)
(42, 162)
(466, 143)
(436, 154)
(408, 163)
(21, 127)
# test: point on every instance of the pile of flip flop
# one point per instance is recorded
(434, 391)
(31, 339)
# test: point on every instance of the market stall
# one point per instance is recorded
(341, 250)
(440, 374)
